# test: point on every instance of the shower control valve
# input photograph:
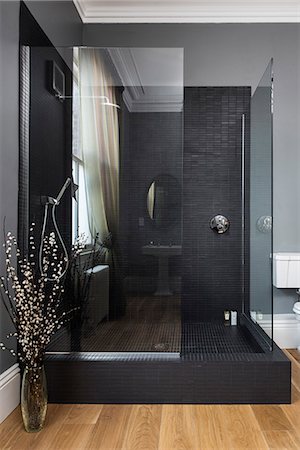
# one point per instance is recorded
(220, 224)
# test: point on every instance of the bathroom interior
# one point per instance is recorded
(171, 183)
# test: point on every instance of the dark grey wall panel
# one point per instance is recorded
(212, 184)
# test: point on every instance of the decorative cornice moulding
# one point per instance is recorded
(135, 96)
(188, 11)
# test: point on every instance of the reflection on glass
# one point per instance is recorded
(127, 109)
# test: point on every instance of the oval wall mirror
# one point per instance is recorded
(164, 200)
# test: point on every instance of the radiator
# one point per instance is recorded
(98, 302)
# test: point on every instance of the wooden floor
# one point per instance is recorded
(163, 427)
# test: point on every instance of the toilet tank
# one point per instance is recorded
(286, 270)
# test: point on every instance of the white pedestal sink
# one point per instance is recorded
(162, 252)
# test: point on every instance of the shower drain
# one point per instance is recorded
(161, 346)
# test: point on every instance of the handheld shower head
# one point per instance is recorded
(63, 189)
(54, 202)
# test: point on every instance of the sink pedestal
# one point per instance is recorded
(162, 252)
(163, 277)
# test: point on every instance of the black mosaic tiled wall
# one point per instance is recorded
(50, 155)
(151, 146)
(212, 179)
(47, 162)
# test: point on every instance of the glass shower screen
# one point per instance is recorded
(260, 205)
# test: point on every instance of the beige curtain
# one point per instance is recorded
(100, 142)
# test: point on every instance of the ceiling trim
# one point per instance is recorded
(125, 65)
(188, 11)
(161, 104)
(134, 94)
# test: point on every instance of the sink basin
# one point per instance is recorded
(162, 252)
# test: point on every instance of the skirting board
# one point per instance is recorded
(286, 330)
(9, 391)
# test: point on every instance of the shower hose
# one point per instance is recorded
(66, 256)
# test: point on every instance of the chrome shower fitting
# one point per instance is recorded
(54, 202)
(220, 224)
(106, 101)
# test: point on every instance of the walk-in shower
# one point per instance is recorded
(175, 179)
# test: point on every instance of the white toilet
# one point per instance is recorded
(286, 275)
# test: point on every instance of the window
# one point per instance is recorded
(80, 223)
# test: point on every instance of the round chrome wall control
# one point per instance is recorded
(264, 224)
(219, 224)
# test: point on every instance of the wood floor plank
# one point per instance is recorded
(296, 437)
(110, 430)
(204, 421)
(271, 418)
(280, 440)
(293, 413)
(293, 356)
(21, 440)
(73, 437)
(11, 429)
(238, 427)
(83, 414)
(177, 432)
(294, 353)
(143, 427)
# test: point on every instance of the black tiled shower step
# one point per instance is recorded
(216, 338)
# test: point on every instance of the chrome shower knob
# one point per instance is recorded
(264, 224)
(219, 224)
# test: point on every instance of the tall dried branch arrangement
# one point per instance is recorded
(34, 304)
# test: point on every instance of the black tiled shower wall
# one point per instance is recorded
(151, 146)
(50, 156)
(212, 184)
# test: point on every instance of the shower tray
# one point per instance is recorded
(216, 365)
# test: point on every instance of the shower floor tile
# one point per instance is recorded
(216, 338)
(151, 324)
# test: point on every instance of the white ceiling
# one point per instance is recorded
(163, 11)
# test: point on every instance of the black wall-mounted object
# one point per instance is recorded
(58, 83)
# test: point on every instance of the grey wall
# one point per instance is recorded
(63, 26)
(9, 78)
(59, 20)
(233, 55)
